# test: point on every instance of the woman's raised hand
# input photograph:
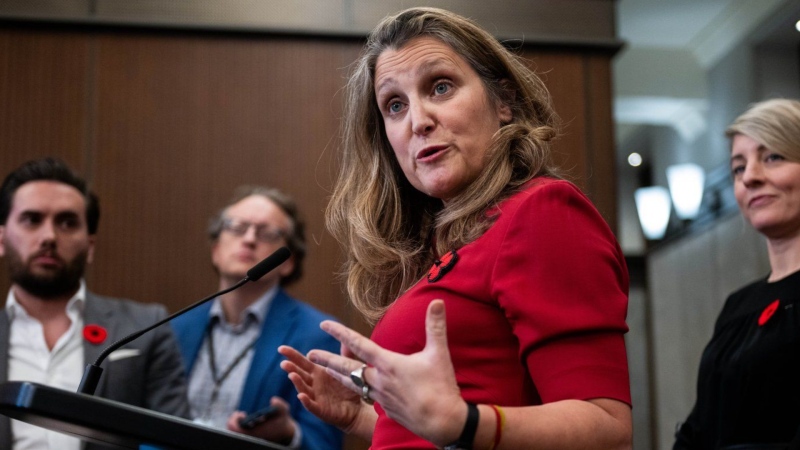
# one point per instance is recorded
(325, 396)
(419, 391)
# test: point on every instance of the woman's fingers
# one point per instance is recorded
(436, 329)
(337, 366)
(360, 346)
(303, 389)
(296, 363)
(290, 367)
(296, 357)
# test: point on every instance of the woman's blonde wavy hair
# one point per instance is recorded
(775, 123)
(390, 232)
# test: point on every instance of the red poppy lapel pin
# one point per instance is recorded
(95, 334)
(442, 265)
(767, 313)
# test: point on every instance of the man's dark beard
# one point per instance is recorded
(65, 281)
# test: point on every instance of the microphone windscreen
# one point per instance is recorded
(268, 264)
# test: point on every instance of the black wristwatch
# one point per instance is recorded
(467, 438)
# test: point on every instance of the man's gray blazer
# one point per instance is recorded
(151, 379)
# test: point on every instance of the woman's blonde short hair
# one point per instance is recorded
(773, 123)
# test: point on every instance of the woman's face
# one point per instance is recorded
(767, 187)
(437, 115)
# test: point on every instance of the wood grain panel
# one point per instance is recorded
(182, 122)
(563, 75)
(580, 85)
(601, 179)
(43, 84)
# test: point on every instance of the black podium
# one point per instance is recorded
(113, 423)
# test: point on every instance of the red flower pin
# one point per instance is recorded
(768, 312)
(442, 265)
(95, 334)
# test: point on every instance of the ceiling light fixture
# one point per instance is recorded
(653, 206)
(686, 183)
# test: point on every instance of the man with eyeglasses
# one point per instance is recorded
(229, 345)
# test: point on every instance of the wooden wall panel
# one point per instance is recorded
(563, 75)
(43, 83)
(184, 120)
(601, 179)
(580, 84)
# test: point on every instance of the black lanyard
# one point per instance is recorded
(218, 380)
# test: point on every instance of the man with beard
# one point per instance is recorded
(52, 326)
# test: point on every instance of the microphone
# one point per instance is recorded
(91, 376)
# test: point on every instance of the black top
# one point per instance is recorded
(748, 389)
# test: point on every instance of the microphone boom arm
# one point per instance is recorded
(92, 373)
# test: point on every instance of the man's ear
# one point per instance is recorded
(286, 268)
(214, 248)
(2, 240)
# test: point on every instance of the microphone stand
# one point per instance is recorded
(92, 373)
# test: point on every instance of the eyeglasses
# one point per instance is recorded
(264, 232)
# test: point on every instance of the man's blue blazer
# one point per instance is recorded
(288, 322)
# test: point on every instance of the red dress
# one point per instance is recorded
(535, 309)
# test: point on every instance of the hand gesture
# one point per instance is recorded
(419, 391)
(325, 396)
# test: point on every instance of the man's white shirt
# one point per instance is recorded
(29, 359)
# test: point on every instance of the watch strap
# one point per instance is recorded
(467, 438)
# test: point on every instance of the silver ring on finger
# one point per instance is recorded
(365, 395)
(357, 376)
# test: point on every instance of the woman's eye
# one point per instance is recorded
(774, 157)
(441, 88)
(395, 107)
(737, 170)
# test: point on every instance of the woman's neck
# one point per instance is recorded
(784, 256)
